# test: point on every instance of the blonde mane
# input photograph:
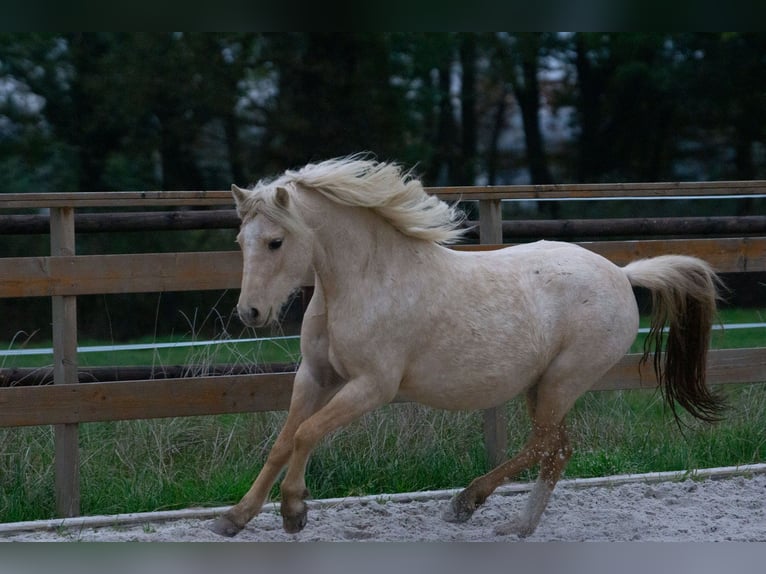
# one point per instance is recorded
(395, 195)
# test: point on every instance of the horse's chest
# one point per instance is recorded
(336, 362)
(356, 352)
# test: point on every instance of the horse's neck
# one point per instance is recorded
(356, 248)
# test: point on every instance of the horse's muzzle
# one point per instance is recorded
(252, 317)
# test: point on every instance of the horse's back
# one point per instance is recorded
(554, 280)
(568, 291)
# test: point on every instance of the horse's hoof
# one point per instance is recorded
(294, 523)
(460, 508)
(517, 527)
(224, 526)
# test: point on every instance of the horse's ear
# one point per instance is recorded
(240, 195)
(282, 197)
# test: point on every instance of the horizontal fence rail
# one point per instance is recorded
(133, 199)
(199, 271)
(239, 393)
(30, 224)
(729, 244)
(34, 376)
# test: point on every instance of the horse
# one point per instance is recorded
(392, 302)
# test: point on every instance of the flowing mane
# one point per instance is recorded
(383, 187)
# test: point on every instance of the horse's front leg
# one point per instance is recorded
(355, 398)
(309, 395)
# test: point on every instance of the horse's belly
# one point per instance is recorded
(455, 388)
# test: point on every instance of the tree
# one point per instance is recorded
(334, 97)
(422, 66)
(725, 95)
(31, 156)
(168, 88)
(626, 105)
(466, 167)
(518, 57)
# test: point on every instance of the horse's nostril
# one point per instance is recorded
(248, 314)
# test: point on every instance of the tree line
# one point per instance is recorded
(119, 111)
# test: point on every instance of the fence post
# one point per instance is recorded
(496, 419)
(64, 308)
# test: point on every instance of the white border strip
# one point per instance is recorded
(718, 327)
(148, 346)
(509, 489)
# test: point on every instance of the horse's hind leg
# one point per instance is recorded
(553, 461)
(547, 446)
(552, 464)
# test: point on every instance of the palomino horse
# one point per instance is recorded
(391, 305)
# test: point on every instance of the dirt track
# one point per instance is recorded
(710, 509)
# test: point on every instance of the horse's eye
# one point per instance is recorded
(275, 244)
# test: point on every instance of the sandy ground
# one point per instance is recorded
(709, 509)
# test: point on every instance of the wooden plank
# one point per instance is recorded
(495, 431)
(726, 255)
(133, 273)
(178, 220)
(64, 310)
(725, 366)
(166, 220)
(602, 190)
(125, 400)
(35, 376)
(554, 191)
(638, 227)
(115, 199)
(494, 421)
(91, 402)
(490, 221)
(150, 272)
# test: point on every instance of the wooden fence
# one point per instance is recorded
(64, 275)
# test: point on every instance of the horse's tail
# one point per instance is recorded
(684, 293)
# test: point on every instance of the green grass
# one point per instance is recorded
(133, 466)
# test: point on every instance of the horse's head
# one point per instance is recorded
(276, 252)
